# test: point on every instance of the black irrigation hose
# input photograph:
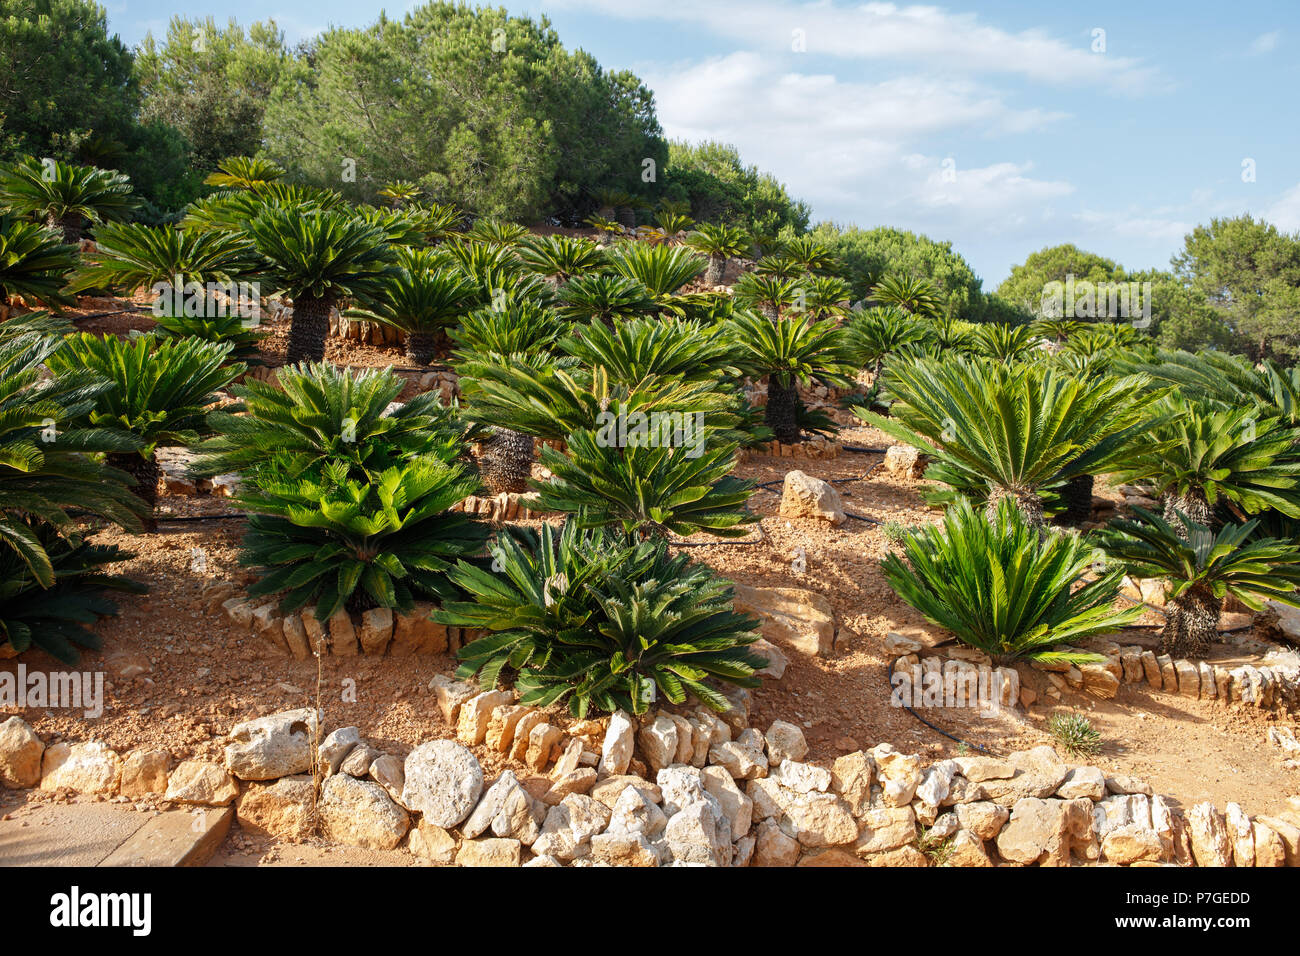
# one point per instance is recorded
(860, 450)
(939, 730)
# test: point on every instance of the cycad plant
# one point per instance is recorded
(778, 267)
(662, 270)
(604, 297)
(1018, 429)
(1202, 567)
(769, 294)
(1001, 586)
(873, 335)
(637, 352)
(401, 193)
(523, 328)
(790, 352)
(318, 259)
(826, 297)
(34, 263)
(810, 255)
(680, 484)
(719, 243)
(318, 414)
(46, 468)
(133, 256)
(56, 617)
(912, 293)
(244, 172)
(160, 394)
(422, 303)
(601, 622)
(64, 196)
(1003, 342)
(560, 258)
(334, 540)
(492, 232)
(1196, 456)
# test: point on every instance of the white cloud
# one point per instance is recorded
(1285, 213)
(954, 43)
(1266, 42)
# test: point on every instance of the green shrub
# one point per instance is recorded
(601, 621)
(998, 586)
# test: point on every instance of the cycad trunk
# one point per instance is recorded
(506, 461)
(717, 267)
(145, 473)
(770, 310)
(1031, 506)
(1193, 504)
(782, 411)
(1191, 623)
(308, 329)
(1077, 495)
(421, 347)
(70, 225)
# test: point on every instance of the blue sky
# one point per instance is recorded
(1002, 126)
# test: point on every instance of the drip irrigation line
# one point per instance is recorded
(860, 450)
(937, 729)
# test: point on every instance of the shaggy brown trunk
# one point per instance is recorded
(421, 347)
(506, 461)
(1077, 495)
(770, 310)
(1031, 506)
(1194, 505)
(625, 216)
(145, 473)
(781, 413)
(308, 329)
(1191, 623)
(70, 225)
(714, 271)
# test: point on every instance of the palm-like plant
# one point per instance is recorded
(342, 541)
(45, 463)
(522, 328)
(826, 297)
(161, 390)
(719, 243)
(603, 297)
(778, 267)
(318, 259)
(421, 303)
(1196, 456)
(606, 229)
(1057, 330)
(318, 414)
(55, 616)
(501, 235)
(1018, 429)
(769, 294)
(1220, 379)
(662, 270)
(809, 255)
(1003, 587)
(639, 351)
(244, 172)
(789, 353)
(913, 293)
(559, 258)
(1202, 568)
(601, 621)
(674, 223)
(132, 256)
(873, 335)
(217, 325)
(1003, 342)
(401, 193)
(33, 263)
(63, 195)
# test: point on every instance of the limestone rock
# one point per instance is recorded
(357, 763)
(569, 827)
(1130, 843)
(699, 833)
(335, 748)
(851, 777)
(475, 713)
(814, 819)
(376, 630)
(965, 849)
(201, 783)
(803, 496)
(658, 740)
(542, 741)
(785, 741)
(432, 843)
(899, 774)
(20, 755)
(885, 829)
(443, 782)
(359, 813)
(608, 790)
(790, 617)
(1043, 831)
(617, 748)
(1242, 833)
(635, 812)
(623, 849)
(773, 847)
(1211, 842)
(386, 770)
(737, 807)
(1083, 782)
(450, 694)
(414, 632)
(145, 772)
(903, 462)
(489, 851)
(282, 809)
(502, 725)
(86, 767)
(279, 745)
(983, 818)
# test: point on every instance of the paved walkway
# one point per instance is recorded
(108, 834)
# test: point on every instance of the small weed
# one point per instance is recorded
(1075, 733)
